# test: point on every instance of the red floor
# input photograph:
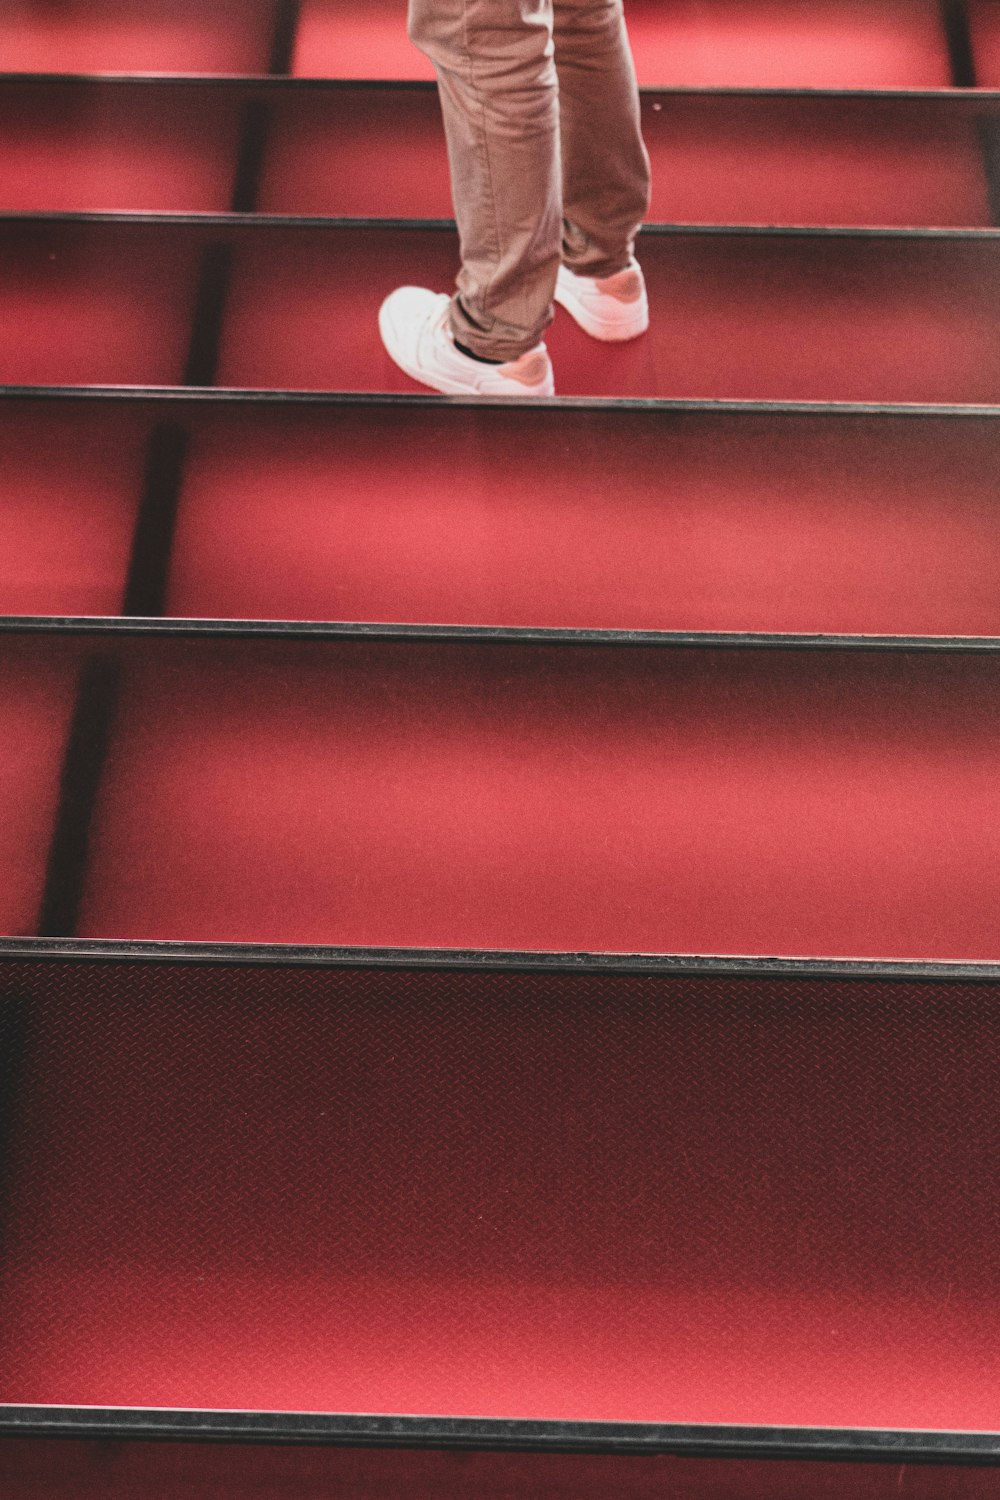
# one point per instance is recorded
(849, 43)
(379, 152)
(69, 148)
(728, 160)
(37, 690)
(552, 798)
(70, 483)
(631, 1200)
(363, 153)
(984, 22)
(689, 523)
(812, 161)
(136, 36)
(738, 317)
(137, 1471)
(746, 317)
(774, 43)
(88, 304)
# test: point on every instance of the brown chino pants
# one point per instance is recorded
(541, 114)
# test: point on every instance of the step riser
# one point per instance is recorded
(507, 796)
(371, 153)
(67, 1470)
(783, 524)
(896, 43)
(742, 317)
(514, 1196)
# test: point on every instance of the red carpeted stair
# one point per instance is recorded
(500, 961)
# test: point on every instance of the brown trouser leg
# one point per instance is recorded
(541, 114)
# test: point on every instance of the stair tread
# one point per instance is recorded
(507, 795)
(661, 520)
(368, 152)
(520, 1197)
(749, 316)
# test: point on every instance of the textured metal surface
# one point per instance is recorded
(165, 1471)
(276, 1189)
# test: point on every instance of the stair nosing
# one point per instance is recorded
(945, 93)
(493, 960)
(526, 635)
(177, 219)
(276, 396)
(497, 1434)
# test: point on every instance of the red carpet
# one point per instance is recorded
(36, 700)
(694, 522)
(552, 797)
(136, 36)
(77, 148)
(845, 44)
(371, 151)
(746, 317)
(70, 483)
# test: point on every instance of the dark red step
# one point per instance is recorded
(67, 1470)
(37, 693)
(71, 480)
(660, 520)
(90, 145)
(436, 794)
(846, 43)
(517, 1196)
(604, 519)
(137, 36)
(820, 317)
(984, 27)
(367, 151)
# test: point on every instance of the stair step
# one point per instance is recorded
(502, 1196)
(739, 315)
(64, 1469)
(660, 519)
(846, 43)
(529, 795)
(984, 30)
(137, 36)
(368, 151)
(38, 683)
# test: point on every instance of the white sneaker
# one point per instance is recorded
(610, 308)
(416, 331)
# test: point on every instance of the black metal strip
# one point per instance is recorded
(168, 395)
(149, 565)
(854, 1445)
(254, 125)
(333, 224)
(670, 965)
(961, 59)
(286, 26)
(335, 630)
(279, 82)
(83, 766)
(209, 314)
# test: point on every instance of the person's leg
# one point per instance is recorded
(605, 165)
(499, 99)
